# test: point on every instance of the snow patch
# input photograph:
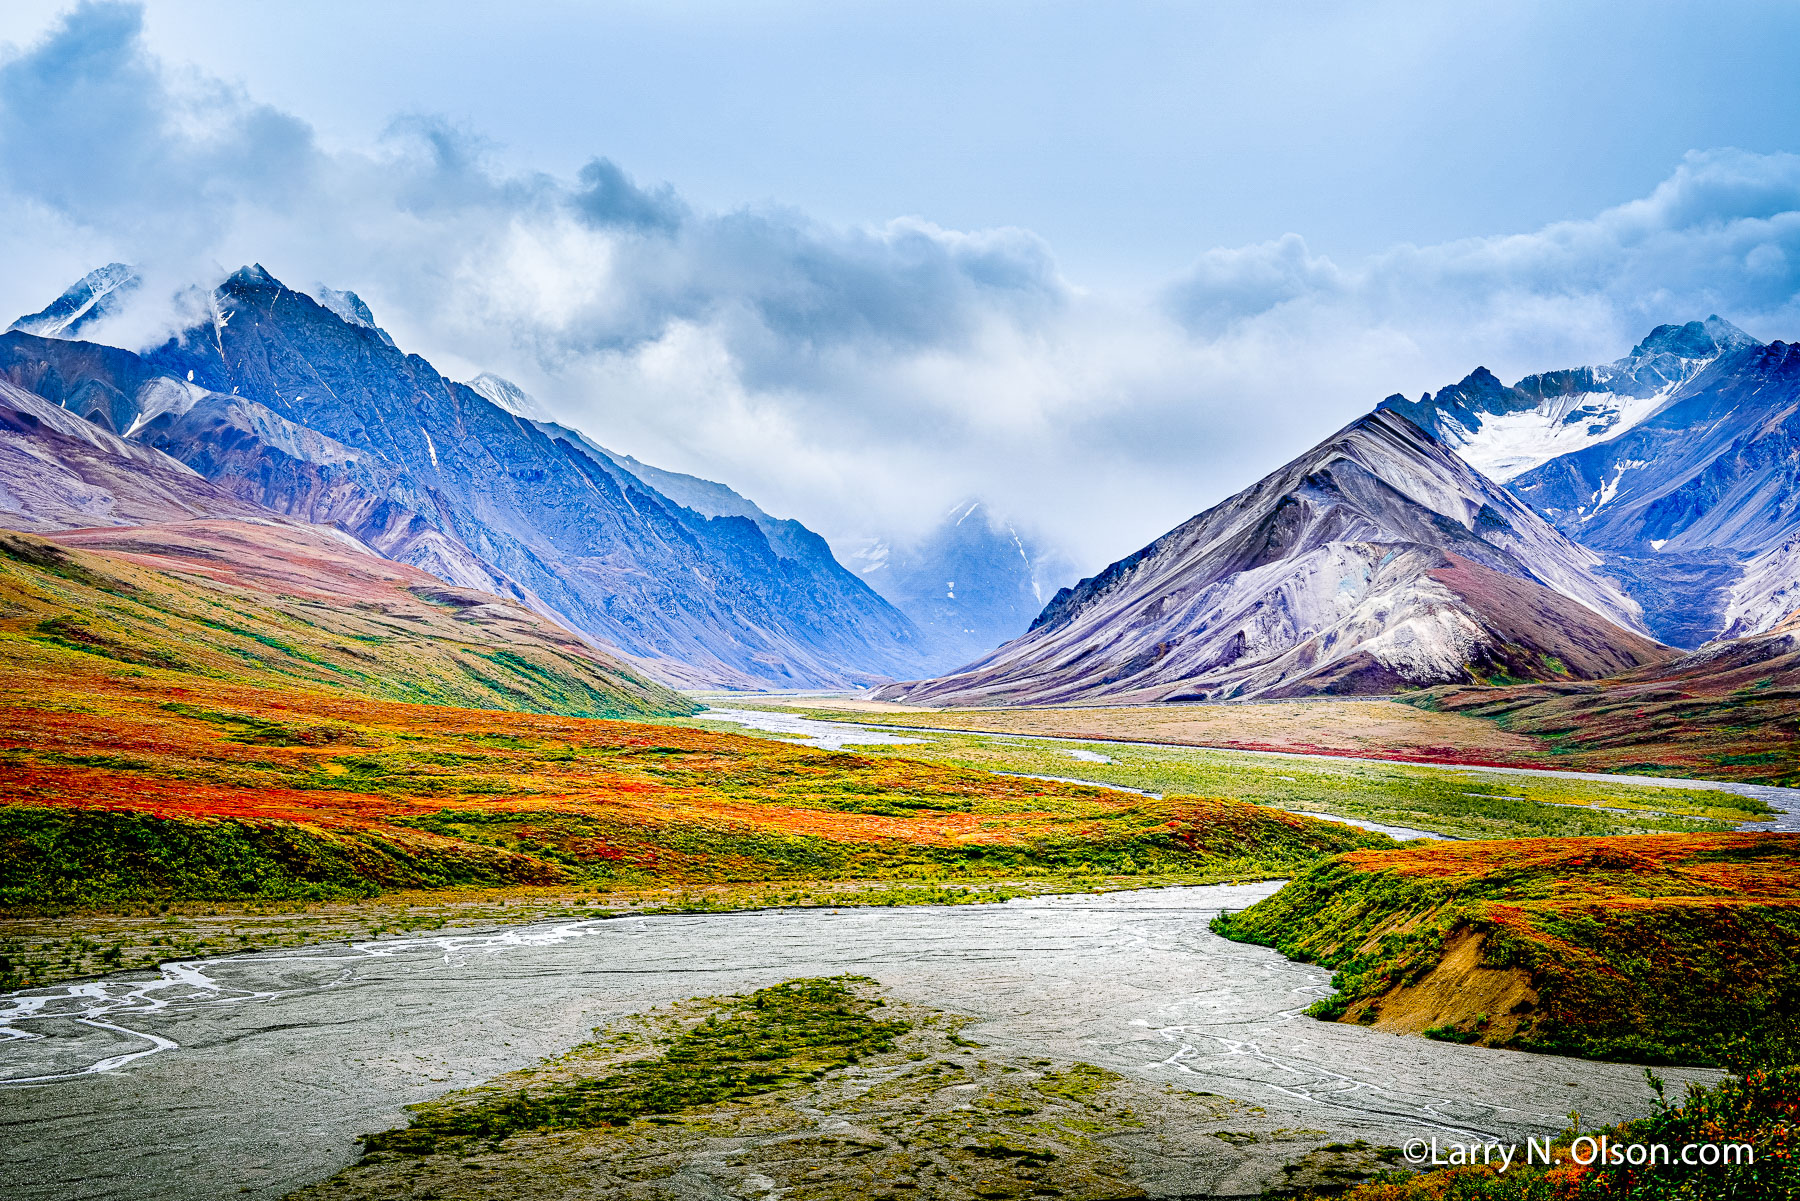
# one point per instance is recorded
(507, 395)
(165, 395)
(1504, 445)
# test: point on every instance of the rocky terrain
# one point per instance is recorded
(1504, 432)
(1677, 464)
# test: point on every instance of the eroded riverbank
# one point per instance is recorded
(275, 1062)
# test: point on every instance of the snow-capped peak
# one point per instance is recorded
(1504, 432)
(1695, 341)
(95, 295)
(509, 396)
(350, 307)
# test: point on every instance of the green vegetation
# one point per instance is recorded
(1461, 803)
(1730, 717)
(232, 604)
(773, 1038)
(96, 857)
(1656, 948)
(822, 1090)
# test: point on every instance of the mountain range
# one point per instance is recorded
(1376, 560)
(1678, 463)
(305, 408)
(1572, 526)
(1503, 432)
(1649, 504)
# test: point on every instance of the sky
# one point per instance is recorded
(1101, 264)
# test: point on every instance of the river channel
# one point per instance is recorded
(248, 1075)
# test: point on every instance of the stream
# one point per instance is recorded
(248, 1075)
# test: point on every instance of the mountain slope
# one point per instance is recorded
(1730, 711)
(304, 411)
(1377, 559)
(147, 564)
(1767, 594)
(1504, 431)
(61, 471)
(269, 603)
(1715, 468)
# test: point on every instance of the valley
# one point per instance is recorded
(1463, 803)
(996, 602)
(381, 726)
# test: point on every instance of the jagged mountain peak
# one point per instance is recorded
(297, 404)
(1694, 504)
(509, 396)
(1507, 431)
(1480, 387)
(1694, 340)
(350, 307)
(251, 275)
(93, 296)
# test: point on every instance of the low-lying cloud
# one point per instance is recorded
(862, 379)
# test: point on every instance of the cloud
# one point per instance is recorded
(607, 198)
(1720, 234)
(860, 378)
(1230, 284)
(92, 129)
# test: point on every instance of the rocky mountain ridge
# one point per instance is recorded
(1503, 432)
(285, 402)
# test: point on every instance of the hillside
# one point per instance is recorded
(1376, 560)
(59, 470)
(1729, 711)
(1659, 948)
(280, 606)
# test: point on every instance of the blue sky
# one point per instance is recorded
(1104, 263)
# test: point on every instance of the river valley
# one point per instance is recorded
(251, 1075)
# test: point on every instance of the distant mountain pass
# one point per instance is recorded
(970, 584)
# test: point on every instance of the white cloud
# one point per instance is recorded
(857, 378)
